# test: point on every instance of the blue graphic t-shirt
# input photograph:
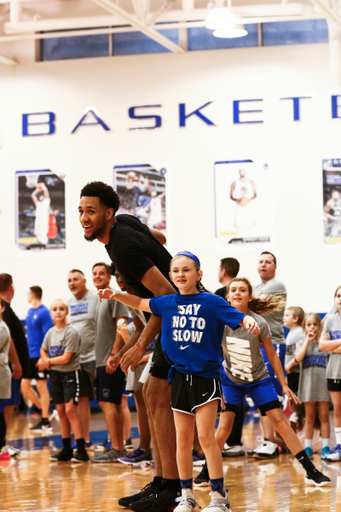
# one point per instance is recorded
(192, 330)
(38, 322)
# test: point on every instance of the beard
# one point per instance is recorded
(97, 232)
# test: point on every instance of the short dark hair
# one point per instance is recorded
(2, 303)
(274, 257)
(104, 192)
(231, 266)
(37, 292)
(74, 270)
(102, 264)
(5, 282)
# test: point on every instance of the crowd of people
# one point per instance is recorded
(185, 353)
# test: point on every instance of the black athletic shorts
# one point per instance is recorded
(189, 392)
(110, 386)
(159, 367)
(34, 373)
(293, 381)
(87, 388)
(334, 384)
(64, 386)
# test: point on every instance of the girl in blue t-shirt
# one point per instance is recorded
(193, 323)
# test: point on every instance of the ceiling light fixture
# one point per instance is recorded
(223, 22)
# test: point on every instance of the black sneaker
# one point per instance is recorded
(203, 479)
(62, 456)
(317, 478)
(80, 456)
(148, 490)
(162, 500)
(128, 444)
(42, 428)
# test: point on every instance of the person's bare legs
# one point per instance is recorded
(205, 418)
(126, 417)
(268, 430)
(156, 453)
(184, 424)
(224, 429)
(74, 419)
(44, 397)
(142, 418)
(28, 391)
(324, 419)
(84, 414)
(282, 425)
(196, 444)
(113, 415)
(8, 414)
(158, 399)
(64, 424)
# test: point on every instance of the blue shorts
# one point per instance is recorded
(2, 405)
(262, 393)
(280, 351)
(15, 393)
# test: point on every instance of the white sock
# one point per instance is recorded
(308, 443)
(325, 442)
(338, 435)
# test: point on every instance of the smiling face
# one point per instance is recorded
(58, 311)
(239, 295)
(100, 277)
(185, 275)
(77, 284)
(94, 217)
(266, 267)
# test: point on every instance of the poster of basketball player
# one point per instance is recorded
(142, 191)
(331, 169)
(242, 202)
(40, 211)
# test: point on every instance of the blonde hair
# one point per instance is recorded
(317, 320)
(62, 301)
(260, 305)
(199, 286)
(297, 311)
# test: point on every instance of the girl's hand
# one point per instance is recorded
(105, 294)
(251, 325)
(287, 391)
(311, 336)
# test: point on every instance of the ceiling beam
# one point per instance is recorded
(139, 25)
(7, 61)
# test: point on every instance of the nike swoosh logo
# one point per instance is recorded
(204, 394)
(183, 348)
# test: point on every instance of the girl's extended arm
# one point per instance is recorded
(328, 345)
(129, 300)
(277, 366)
(250, 324)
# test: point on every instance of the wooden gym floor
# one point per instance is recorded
(30, 483)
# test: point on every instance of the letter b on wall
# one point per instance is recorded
(38, 123)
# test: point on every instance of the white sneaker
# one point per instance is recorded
(54, 415)
(267, 450)
(218, 503)
(11, 450)
(187, 501)
(233, 451)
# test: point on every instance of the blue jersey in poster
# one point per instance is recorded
(192, 330)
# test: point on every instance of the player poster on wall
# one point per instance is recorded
(40, 212)
(242, 202)
(142, 191)
(331, 169)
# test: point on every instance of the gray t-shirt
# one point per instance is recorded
(82, 315)
(56, 343)
(274, 319)
(243, 359)
(332, 326)
(106, 312)
(294, 337)
(5, 372)
(313, 382)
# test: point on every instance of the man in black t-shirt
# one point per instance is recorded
(139, 256)
(18, 355)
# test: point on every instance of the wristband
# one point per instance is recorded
(113, 355)
(138, 348)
